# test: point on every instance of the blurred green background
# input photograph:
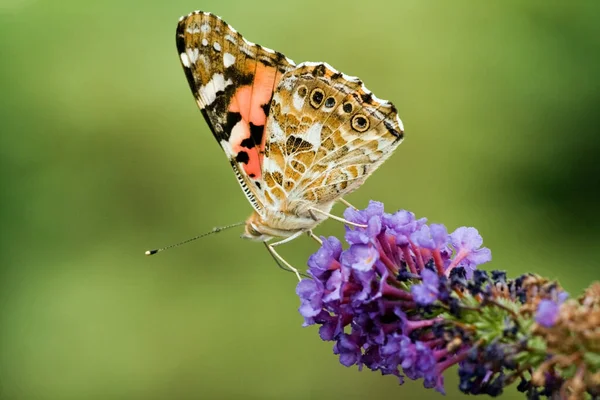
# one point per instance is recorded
(104, 155)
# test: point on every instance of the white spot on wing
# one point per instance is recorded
(205, 28)
(298, 101)
(379, 115)
(193, 55)
(193, 29)
(335, 71)
(400, 124)
(204, 42)
(270, 165)
(212, 87)
(313, 135)
(288, 83)
(228, 60)
(276, 132)
(185, 60)
(377, 99)
(230, 39)
(239, 132)
(350, 78)
(217, 46)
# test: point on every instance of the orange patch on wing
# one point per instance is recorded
(248, 101)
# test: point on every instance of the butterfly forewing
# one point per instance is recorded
(233, 81)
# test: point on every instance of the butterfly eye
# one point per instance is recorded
(330, 102)
(316, 97)
(360, 123)
(347, 107)
(252, 231)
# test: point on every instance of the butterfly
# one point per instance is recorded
(298, 137)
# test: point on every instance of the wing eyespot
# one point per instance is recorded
(302, 91)
(330, 102)
(316, 97)
(347, 107)
(360, 123)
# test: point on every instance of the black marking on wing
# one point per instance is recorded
(367, 97)
(232, 119)
(295, 144)
(242, 157)
(320, 70)
(256, 135)
(399, 134)
(244, 186)
(266, 108)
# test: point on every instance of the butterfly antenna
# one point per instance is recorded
(216, 229)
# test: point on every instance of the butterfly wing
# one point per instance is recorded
(233, 81)
(327, 134)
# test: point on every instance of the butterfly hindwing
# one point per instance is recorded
(327, 134)
(233, 81)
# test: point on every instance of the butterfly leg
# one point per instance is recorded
(287, 239)
(342, 220)
(347, 204)
(278, 259)
(315, 237)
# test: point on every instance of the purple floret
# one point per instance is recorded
(427, 292)
(467, 243)
(548, 310)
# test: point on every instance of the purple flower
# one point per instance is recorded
(325, 259)
(548, 310)
(330, 325)
(547, 313)
(374, 209)
(364, 235)
(418, 360)
(402, 224)
(426, 293)
(333, 286)
(361, 257)
(467, 243)
(562, 297)
(348, 349)
(434, 236)
(311, 293)
(371, 217)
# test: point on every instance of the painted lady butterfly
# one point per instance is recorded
(298, 137)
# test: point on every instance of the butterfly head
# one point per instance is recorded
(252, 229)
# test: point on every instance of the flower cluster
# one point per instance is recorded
(406, 299)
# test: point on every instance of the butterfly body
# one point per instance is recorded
(298, 137)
